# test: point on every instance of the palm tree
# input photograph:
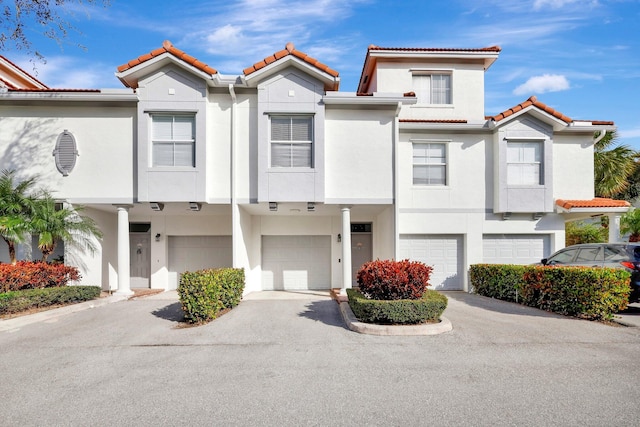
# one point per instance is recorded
(16, 203)
(66, 224)
(630, 223)
(613, 165)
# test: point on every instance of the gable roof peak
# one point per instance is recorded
(290, 47)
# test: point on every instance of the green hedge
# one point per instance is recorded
(591, 293)
(429, 308)
(204, 293)
(17, 301)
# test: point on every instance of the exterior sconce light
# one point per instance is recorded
(339, 237)
(194, 206)
(537, 216)
(273, 206)
(506, 216)
(158, 237)
(155, 206)
(311, 207)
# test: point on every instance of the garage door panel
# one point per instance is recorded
(443, 253)
(514, 249)
(296, 262)
(190, 253)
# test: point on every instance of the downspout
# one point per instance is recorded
(235, 214)
(599, 138)
(396, 203)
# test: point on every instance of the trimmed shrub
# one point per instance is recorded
(35, 275)
(428, 308)
(590, 293)
(581, 232)
(394, 280)
(17, 301)
(204, 293)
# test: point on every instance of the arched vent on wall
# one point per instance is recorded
(65, 152)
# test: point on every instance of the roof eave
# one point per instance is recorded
(131, 76)
(331, 83)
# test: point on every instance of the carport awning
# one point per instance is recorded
(597, 206)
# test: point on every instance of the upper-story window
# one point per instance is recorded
(173, 139)
(291, 141)
(524, 163)
(432, 88)
(429, 164)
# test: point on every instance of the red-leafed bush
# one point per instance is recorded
(35, 275)
(394, 280)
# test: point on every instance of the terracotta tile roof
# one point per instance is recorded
(23, 71)
(7, 84)
(437, 49)
(601, 122)
(167, 47)
(598, 202)
(432, 121)
(529, 102)
(290, 50)
(54, 90)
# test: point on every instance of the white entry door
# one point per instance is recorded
(140, 255)
(360, 253)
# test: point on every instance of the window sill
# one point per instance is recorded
(430, 187)
(449, 106)
(290, 170)
(172, 169)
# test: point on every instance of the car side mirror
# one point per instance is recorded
(543, 261)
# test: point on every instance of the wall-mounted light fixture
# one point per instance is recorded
(537, 215)
(339, 237)
(506, 216)
(158, 237)
(155, 206)
(311, 207)
(195, 206)
(273, 206)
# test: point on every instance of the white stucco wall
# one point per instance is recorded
(359, 156)
(573, 167)
(105, 143)
(467, 89)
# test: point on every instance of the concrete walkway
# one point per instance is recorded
(288, 359)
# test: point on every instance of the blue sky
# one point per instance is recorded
(581, 57)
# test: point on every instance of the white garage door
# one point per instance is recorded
(191, 253)
(296, 262)
(514, 248)
(443, 253)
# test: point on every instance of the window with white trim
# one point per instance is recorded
(173, 140)
(432, 88)
(429, 164)
(291, 141)
(524, 163)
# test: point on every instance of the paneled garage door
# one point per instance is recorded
(444, 253)
(296, 262)
(514, 248)
(190, 253)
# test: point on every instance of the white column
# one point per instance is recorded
(614, 228)
(346, 249)
(124, 259)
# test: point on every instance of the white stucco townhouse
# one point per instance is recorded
(276, 171)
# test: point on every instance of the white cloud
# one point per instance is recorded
(542, 84)
(63, 72)
(629, 133)
(557, 4)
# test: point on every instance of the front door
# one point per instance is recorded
(140, 254)
(361, 252)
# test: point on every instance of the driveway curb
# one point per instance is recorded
(391, 330)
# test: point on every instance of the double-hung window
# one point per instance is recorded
(429, 164)
(432, 88)
(173, 140)
(524, 163)
(291, 141)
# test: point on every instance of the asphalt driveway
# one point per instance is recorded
(288, 359)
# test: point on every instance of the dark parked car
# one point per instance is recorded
(612, 255)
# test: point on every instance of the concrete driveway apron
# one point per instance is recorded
(287, 359)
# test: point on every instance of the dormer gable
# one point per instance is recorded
(291, 57)
(132, 71)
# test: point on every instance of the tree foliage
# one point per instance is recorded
(51, 18)
(613, 165)
(580, 232)
(630, 224)
(26, 210)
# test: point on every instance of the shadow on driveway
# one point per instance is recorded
(325, 311)
(172, 312)
(496, 305)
